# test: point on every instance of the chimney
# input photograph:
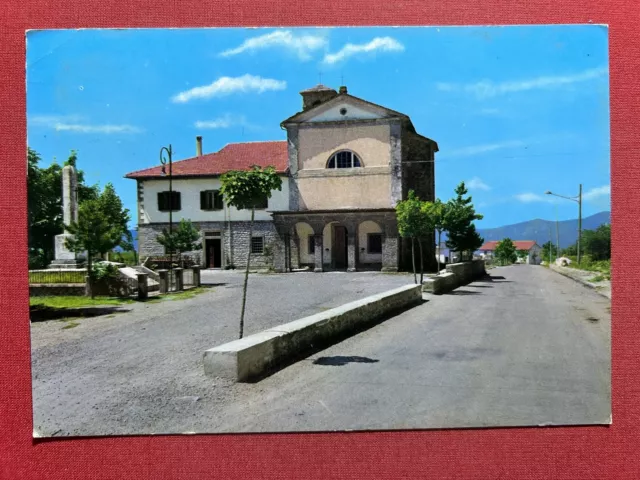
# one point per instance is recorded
(198, 146)
(343, 89)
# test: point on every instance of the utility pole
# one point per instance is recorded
(579, 222)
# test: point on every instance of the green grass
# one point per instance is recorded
(597, 278)
(184, 295)
(76, 302)
(601, 267)
(57, 277)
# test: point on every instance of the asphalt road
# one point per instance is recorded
(524, 347)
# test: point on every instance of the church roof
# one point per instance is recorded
(233, 156)
(318, 88)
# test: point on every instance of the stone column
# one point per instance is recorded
(196, 275)
(389, 254)
(319, 254)
(64, 257)
(294, 251)
(164, 280)
(351, 252)
(178, 272)
(143, 286)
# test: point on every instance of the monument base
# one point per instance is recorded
(65, 258)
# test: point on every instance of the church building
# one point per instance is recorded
(345, 165)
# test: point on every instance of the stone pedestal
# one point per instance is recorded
(178, 272)
(164, 281)
(65, 258)
(196, 275)
(143, 286)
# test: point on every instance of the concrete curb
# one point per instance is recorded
(578, 280)
(256, 355)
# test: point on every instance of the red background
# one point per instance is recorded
(565, 453)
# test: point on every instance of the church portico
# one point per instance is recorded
(343, 240)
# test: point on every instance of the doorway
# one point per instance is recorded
(339, 247)
(213, 249)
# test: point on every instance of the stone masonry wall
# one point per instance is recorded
(234, 237)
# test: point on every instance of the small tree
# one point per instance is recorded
(506, 251)
(101, 226)
(436, 213)
(414, 223)
(523, 254)
(244, 190)
(127, 245)
(597, 243)
(549, 251)
(461, 214)
(183, 239)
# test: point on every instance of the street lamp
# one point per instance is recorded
(164, 162)
(577, 199)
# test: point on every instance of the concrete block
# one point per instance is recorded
(257, 354)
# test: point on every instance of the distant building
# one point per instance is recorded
(533, 250)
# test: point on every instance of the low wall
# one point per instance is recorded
(256, 355)
(457, 275)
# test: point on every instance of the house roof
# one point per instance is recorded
(520, 245)
(318, 88)
(233, 156)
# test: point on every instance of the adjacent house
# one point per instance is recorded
(532, 249)
(345, 165)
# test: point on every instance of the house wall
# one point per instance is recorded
(190, 199)
(321, 188)
(305, 231)
(364, 229)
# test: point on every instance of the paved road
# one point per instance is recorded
(136, 370)
(525, 347)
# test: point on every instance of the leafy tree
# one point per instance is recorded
(414, 223)
(506, 251)
(571, 250)
(44, 205)
(127, 245)
(462, 234)
(244, 189)
(436, 213)
(101, 226)
(597, 243)
(183, 239)
(522, 254)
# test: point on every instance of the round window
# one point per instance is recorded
(343, 111)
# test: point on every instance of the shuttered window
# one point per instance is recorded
(211, 200)
(169, 201)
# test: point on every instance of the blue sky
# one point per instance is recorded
(516, 111)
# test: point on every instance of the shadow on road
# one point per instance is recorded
(40, 313)
(463, 292)
(492, 279)
(340, 360)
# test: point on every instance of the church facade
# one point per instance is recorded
(345, 165)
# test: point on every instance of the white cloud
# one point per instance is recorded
(383, 44)
(488, 88)
(597, 193)
(301, 45)
(228, 85)
(477, 184)
(225, 121)
(490, 147)
(533, 197)
(74, 123)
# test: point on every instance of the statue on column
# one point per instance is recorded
(64, 257)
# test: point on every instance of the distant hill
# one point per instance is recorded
(538, 230)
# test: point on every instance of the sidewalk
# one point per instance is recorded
(584, 277)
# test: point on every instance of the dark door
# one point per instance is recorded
(214, 253)
(339, 247)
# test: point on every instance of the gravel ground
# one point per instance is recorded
(134, 370)
(583, 276)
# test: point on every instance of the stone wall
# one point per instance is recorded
(56, 289)
(234, 238)
(457, 275)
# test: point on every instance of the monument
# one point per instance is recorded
(64, 257)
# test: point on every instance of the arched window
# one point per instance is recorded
(344, 159)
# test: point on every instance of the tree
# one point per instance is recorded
(244, 189)
(101, 226)
(183, 239)
(522, 254)
(414, 223)
(597, 243)
(506, 251)
(127, 245)
(44, 205)
(436, 213)
(462, 234)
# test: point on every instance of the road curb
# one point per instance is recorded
(256, 355)
(579, 280)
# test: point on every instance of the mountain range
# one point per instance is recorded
(543, 231)
(539, 230)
